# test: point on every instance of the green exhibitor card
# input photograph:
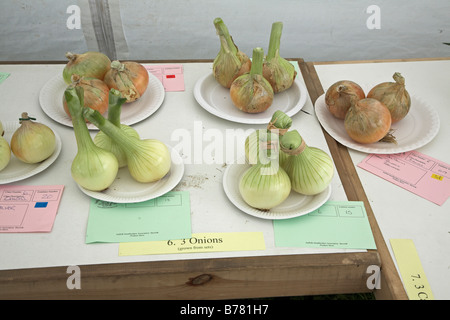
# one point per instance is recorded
(336, 224)
(3, 76)
(163, 218)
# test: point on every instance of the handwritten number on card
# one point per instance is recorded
(416, 278)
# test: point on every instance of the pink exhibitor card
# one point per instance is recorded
(414, 171)
(28, 208)
(171, 76)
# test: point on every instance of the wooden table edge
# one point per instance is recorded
(198, 279)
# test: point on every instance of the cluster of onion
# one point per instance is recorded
(368, 119)
(280, 162)
(252, 83)
(96, 74)
(31, 143)
(97, 161)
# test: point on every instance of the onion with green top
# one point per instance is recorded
(265, 184)
(93, 168)
(278, 71)
(230, 62)
(148, 160)
(279, 124)
(102, 140)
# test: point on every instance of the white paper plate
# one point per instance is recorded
(127, 190)
(216, 99)
(294, 206)
(51, 97)
(419, 127)
(18, 170)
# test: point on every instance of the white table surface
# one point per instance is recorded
(401, 214)
(211, 211)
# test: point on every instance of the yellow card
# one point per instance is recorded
(199, 242)
(411, 270)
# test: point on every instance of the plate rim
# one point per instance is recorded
(264, 215)
(41, 167)
(177, 163)
(246, 120)
(320, 108)
(154, 80)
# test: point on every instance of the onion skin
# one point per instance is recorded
(230, 62)
(89, 64)
(32, 142)
(129, 77)
(310, 174)
(310, 169)
(279, 125)
(394, 96)
(245, 67)
(251, 95)
(278, 71)
(368, 121)
(251, 92)
(264, 191)
(340, 95)
(96, 94)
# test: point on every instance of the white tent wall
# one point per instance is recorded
(321, 30)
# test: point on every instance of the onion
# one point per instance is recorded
(5, 153)
(102, 140)
(90, 64)
(368, 121)
(32, 142)
(279, 125)
(148, 160)
(310, 169)
(251, 92)
(394, 96)
(278, 71)
(130, 78)
(95, 93)
(230, 62)
(93, 168)
(340, 96)
(264, 186)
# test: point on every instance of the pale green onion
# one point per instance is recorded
(310, 169)
(148, 160)
(102, 140)
(93, 168)
(279, 124)
(260, 145)
(264, 186)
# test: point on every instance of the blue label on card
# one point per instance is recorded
(41, 205)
